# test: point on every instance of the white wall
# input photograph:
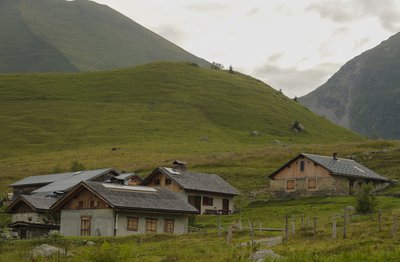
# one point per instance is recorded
(102, 222)
(217, 201)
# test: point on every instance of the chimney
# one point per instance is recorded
(179, 165)
(334, 156)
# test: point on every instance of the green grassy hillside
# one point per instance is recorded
(68, 36)
(23, 51)
(149, 114)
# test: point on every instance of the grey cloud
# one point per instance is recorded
(293, 81)
(207, 7)
(361, 43)
(343, 11)
(171, 32)
(274, 57)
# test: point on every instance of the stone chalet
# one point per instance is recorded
(105, 209)
(310, 175)
(32, 217)
(208, 193)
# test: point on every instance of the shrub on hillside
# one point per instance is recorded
(77, 166)
(366, 201)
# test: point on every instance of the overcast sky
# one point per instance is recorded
(293, 45)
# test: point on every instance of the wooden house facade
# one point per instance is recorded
(208, 193)
(311, 175)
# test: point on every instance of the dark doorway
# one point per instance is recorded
(23, 234)
(351, 187)
(195, 201)
(225, 206)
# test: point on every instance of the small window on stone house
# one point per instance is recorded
(312, 183)
(151, 225)
(80, 204)
(157, 182)
(168, 181)
(290, 184)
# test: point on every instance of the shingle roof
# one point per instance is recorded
(141, 198)
(199, 181)
(76, 178)
(339, 167)
(44, 179)
(345, 167)
(37, 202)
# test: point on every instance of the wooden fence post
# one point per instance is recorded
(252, 233)
(293, 226)
(259, 226)
(308, 221)
(345, 223)
(315, 227)
(229, 236)
(334, 227)
(380, 220)
(219, 225)
(302, 220)
(286, 228)
(394, 227)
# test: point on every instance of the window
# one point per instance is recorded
(290, 184)
(85, 225)
(301, 165)
(151, 225)
(208, 201)
(168, 181)
(80, 204)
(169, 225)
(133, 223)
(157, 182)
(312, 183)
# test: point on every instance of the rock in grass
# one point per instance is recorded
(46, 250)
(261, 255)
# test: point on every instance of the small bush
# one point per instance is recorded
(77, 166)
(366, 201)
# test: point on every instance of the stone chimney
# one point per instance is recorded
(334, 156)
(179, 165)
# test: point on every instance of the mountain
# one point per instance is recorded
(364, 95)
(80, 35)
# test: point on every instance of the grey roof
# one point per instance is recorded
(125, 176)
(141, 198)
(37, 202)
(43, 179)
(40, 202)
(345, 167)
(199, 181)
(70, 182)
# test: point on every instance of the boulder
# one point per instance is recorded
(46, 250)
(261, 255)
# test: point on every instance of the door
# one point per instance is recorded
(22, 234)
(86, 222)
(225, 206)
(195, 201)
(351, 187)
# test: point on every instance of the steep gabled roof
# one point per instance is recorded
(35, 202)
(133, 198)
(339, 167)
(70, 182)
(196, 181)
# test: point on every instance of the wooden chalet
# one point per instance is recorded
(208, 193)
(308, 175)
